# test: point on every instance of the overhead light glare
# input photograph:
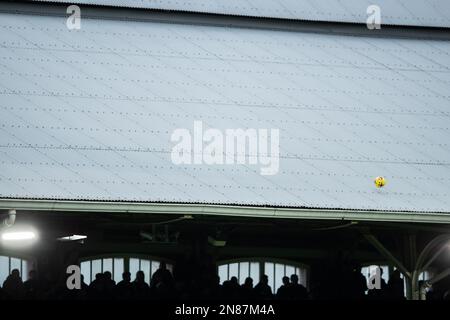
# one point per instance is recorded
(18, 236)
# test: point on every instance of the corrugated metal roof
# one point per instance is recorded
(433, 13)
(88, 114)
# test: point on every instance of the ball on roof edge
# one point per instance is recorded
(380, 182)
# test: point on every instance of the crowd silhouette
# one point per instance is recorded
(163, 286)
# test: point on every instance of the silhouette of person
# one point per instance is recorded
(97, 287)
(283, 291)
(376, 294)
(235, 284)
(395, 286)
(160, 289)
(247, 289)
(296, 290)
(162, 283)
(31, 286)
(109, 285)
(231, 288)
(124, 289)
(357, 284)
(226, 288)
(13, 286)
(82, 283)
(141, 289)
(262, 289)
(84, 289)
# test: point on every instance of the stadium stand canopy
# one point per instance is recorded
(87, 115)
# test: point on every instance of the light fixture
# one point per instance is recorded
(74, 237)
(216, 242)
(146, 235)
(18, 235)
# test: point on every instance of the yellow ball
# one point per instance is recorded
(380, 182)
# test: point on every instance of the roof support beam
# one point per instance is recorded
(386, 253)
(440, 276)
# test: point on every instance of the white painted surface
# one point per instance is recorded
(88, 114)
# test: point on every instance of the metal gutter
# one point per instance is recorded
(224, 210)
(221, 20)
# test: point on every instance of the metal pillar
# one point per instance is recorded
(410, 259)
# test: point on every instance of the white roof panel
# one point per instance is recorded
(88, 114)
(432, 13)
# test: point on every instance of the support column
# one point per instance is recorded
(410, 259)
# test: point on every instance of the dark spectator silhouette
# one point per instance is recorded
(262, 289)
(160, 289)
(231, 288)
(381, 293)
(84, 289)
(31, 286)
(297, 290)
(283, 291)
(109, 285)
(62, 291)
(141, 290)
(247, 290)
(357, 285)
(83, 283)
(97, 287)
(162, 275)
(205, 285)
(162, 284)
(13, 286)
(124, 289)
(395, 286)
